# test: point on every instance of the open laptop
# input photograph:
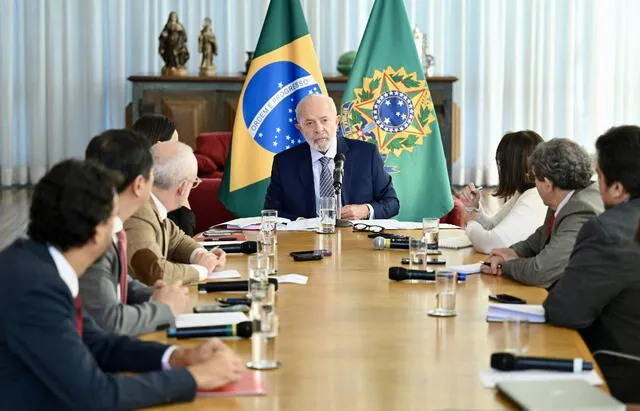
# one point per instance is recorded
(559, 395)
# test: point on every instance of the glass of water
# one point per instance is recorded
(430, 229)
(263, 355)
(445, 304)
(418, 253)
(268, 225)
(327, 215)
(258, 268)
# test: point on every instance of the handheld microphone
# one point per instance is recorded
(401, 274)
(248, 247)
(503, 361)
(240, 285)
(380, 243)
(338, 171)
(242, 329)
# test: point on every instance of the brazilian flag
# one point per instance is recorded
(387, 102)
(284, 70)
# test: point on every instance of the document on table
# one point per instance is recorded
(465, 269)
(492, 377)
(209, 319)
(499, 312)
(223, 275)
(306, 224)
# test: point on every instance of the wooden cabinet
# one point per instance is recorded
(199, 104)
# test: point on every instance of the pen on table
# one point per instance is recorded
(487, 263)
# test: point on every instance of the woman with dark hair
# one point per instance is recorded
(523, 211)
(157, 128)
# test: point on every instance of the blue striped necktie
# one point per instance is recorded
(326, 180)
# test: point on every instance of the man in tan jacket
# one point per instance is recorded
(157, 248)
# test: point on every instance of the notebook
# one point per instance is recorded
(498, 312)
(573, 394)
(209, 319)
(251, 383)
(454, 242)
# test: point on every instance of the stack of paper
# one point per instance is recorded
(490, 378)
(223, 275)
(251, 223)
(209, 319)
(454, 242)
(500, 312)
(465, 269)
(305, 224)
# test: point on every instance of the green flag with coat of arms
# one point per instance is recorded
(387, 102)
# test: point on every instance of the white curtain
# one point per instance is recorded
(561, 67)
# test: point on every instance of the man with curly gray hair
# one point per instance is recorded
(562, 171)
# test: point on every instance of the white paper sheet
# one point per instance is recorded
(221, 275)
(465, 269)
(490, 378)
(498, 312)
(209, 319)
(306, 224)
(292, 279)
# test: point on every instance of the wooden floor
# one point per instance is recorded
(14, 214)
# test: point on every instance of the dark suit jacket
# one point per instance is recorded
(46, 365)
(542, 260)
(599, 292)
(98, 289)
(365, 181)
(185, 219)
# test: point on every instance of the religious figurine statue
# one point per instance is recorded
(208, 46)
(173, 47)
(426, 60)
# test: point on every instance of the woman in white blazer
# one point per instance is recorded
(523, 211)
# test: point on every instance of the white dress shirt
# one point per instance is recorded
(162, 213)
(564, 201)
(70, 278)
(515, 221)
(316, 165)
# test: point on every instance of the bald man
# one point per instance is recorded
(297, 174)
(157, 249)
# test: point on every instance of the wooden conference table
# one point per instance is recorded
(353, 340)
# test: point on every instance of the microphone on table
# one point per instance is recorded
(248, 247)
(401, 274)
(503, 361)
(240, 285)
(380, 243)
(242, 329)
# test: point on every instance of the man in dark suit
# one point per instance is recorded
(562, 171)
(54, 358)
(302, 175)
(599, 292)
(117, 302)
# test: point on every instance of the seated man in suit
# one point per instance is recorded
(302, 175)
(54, 358)
(157, 248)
(599, 291)
(114, 300)
(157, 128)
(562, 171)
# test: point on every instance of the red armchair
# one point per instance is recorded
(211, 153)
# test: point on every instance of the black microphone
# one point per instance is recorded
(242, 329)
(240, 285)
(248, 247)
(380, 243)
(338, 171)
(503, 361)
(401, 274)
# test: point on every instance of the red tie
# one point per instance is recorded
(550, 226)
(122, 253)
(78, 304)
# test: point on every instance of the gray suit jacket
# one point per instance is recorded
(600, 288)
(542, 264)
(98, 290)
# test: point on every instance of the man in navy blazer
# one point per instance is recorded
(54, 358)
(297, 174)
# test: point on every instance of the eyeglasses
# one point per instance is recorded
(195, 183)
(368, 228)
